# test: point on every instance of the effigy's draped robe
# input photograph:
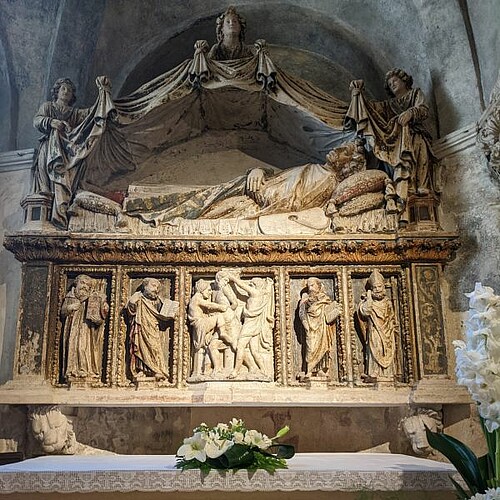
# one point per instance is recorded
(298, 188)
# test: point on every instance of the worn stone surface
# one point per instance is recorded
(470, 203)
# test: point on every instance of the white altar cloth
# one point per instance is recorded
(308, 472)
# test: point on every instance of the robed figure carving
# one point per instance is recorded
(396, 130)
(147, 317)
(378, 328)
(318, 312)
(69, 136)
(84, 312)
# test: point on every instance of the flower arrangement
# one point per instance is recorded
(233, 446)
(478, 368)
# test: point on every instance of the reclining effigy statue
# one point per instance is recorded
(308, 199)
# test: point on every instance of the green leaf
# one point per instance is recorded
(283, 450)
(487, 469)
(461, 456)
(237, 457)
(461, 493)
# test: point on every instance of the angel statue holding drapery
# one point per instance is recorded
(396, 130)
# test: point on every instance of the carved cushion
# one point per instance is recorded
(96, 203)
(362, 203)
(368, 181)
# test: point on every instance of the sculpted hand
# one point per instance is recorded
(73, 307)
(255, 179)
(60, 125)
(356, 86)
(405, 117)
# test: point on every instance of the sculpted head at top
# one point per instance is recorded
(230, 23)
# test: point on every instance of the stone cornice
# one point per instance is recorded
(456, 141)
(115, 249)
(16, 160)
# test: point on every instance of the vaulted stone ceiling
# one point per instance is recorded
(448, 46)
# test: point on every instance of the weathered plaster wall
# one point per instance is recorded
(471, 202)
(485, 30)
(13, 187)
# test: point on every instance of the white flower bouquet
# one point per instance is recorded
(478, 368)
(233, 446)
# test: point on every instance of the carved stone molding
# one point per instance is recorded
(31, 247)
(488, 134)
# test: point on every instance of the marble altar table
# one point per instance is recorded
(310, 475)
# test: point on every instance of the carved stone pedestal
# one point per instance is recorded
(37, 212)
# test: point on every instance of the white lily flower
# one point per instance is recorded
(238, 437)
(193, 447)
(489, 494)
(255, 438)
(478, 358)
(217, 447)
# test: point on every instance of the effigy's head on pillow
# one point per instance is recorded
(347, 159)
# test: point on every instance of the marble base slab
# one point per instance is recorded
(309, 476)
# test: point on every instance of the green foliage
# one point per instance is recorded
(464, 460)
(239, 457)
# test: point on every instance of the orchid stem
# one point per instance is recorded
(497, 458)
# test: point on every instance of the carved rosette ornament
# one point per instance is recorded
(488, 135)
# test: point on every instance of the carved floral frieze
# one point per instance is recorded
(89, 250)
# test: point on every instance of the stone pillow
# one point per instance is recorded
(362, 203)
(368, 181)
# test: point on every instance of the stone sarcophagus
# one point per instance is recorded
(248, 321)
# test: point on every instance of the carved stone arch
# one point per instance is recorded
(304, 42)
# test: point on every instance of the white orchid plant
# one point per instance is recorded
(478, 369)
(233, 446)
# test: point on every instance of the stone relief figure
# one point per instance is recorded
(207, 320)
(54, 433)
(224, 294)
(230, 30)
(396, 130)
(231, 322)
(378, 327)
(84, 312)
(414, 429)
(255, 341)
(147, 316)
(318, 312)
(58, 167)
